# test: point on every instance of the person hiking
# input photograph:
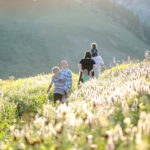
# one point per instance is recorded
(86, 63)
(66, 75)
(94, 49)
(59, 85)
(99, 62)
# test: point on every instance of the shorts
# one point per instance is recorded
(57, 97)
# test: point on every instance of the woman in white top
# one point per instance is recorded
(99, 62)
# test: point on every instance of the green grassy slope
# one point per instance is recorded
(110, 113)
(33, 44)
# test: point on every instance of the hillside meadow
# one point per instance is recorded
(27, 39)
(112, 113)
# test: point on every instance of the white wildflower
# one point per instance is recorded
(127, 121)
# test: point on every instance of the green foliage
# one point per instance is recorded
(8, 117)
(144, 100)
(109, 113)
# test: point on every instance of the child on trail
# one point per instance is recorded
(85, 76)
(59, 85)
(94, 49)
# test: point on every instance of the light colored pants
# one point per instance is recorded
(97, 73)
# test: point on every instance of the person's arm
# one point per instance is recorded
(65, 94)
(80, 67)
(94, 68)
(50, 86)
(101, 61)
(70, 81)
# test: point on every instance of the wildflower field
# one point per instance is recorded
(112, 113)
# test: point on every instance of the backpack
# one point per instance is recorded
(94, 52)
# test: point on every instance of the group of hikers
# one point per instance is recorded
(89, 67)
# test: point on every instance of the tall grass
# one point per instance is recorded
(106, 114)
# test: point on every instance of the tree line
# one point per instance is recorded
(125, 17)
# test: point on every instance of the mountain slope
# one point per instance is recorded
(141, 8)
(31, 44)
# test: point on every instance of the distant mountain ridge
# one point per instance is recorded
(33, 42)
(139, 7)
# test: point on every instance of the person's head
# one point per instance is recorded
(85, 72)
(88, 55)
(63, 64)
(93, 45)
(56, 71)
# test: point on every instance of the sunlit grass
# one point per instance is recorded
(110, 113)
